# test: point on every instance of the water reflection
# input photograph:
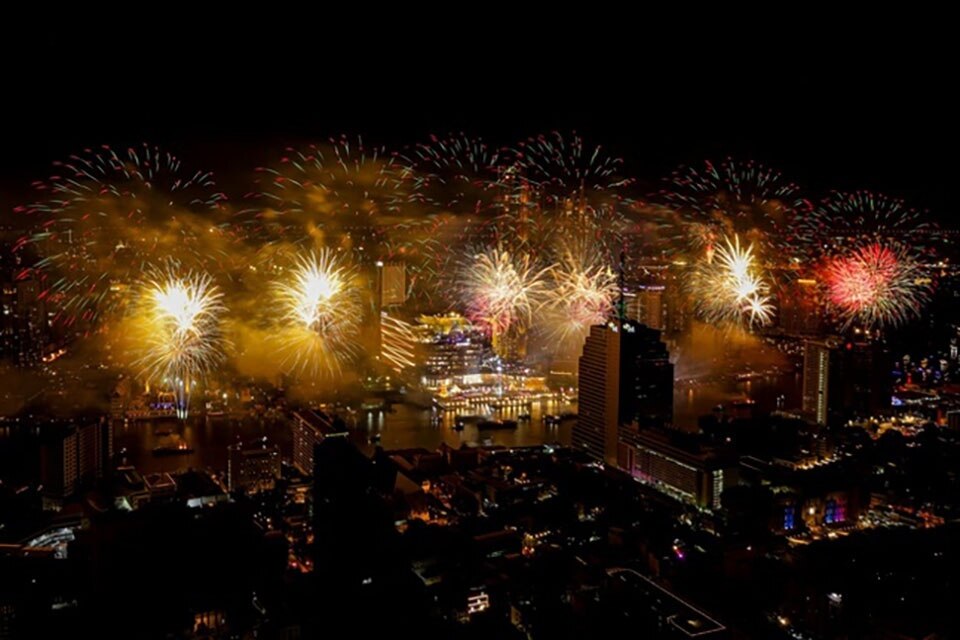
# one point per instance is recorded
(407, 426)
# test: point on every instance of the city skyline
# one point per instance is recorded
(316, 327)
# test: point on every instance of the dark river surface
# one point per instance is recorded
(404, 427)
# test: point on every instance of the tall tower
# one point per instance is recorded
(816, 378)
(598, 409)
(625, 377)
(845, 379)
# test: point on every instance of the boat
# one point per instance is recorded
(497, 424)
(551, 420)
(524, 417)
(171, 450)
(472, 418)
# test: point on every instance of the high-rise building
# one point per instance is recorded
(650, 400)
(598, 406)
(393, 284)
(310, 428)
(647, 306)
(845, 379)
(253, 468)
(816, 378)
(23, 334)
(800, 312)
(679, 314)
(625, 376)
(74, 454)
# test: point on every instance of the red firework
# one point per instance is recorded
(876, 285)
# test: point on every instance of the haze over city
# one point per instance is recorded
(477, 347)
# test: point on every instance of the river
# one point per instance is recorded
(404, 427)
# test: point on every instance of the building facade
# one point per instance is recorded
(310, 428)
(253, 468)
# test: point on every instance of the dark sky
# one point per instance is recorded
(856, 108)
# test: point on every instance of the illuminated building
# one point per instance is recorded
(23, 323)
(824, 496)
(625, 376)
(678, 311)
(450, 348)
(310, 428)
(675, 464)
(845, 379)
(73, 455)
(253, 469)
(816, 378)
(397, 343)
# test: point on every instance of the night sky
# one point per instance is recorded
(860, 109)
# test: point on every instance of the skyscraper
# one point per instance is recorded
(650, 399)
(625, 376)
(816, 378)
(800, 312)
(845, 379)
(23, 330)
(393, 284)
(598, 407)
(74, 454)
(310, 428)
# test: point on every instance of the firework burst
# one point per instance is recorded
(455, 173)
(338, 194)
(845, 219)
(582, 296)
(735, 198)
(321, 312)
(107, 216)
(564, 166)
(502, 291)
(727, 288)
(555, 184)
(182, 335)
(878, 285)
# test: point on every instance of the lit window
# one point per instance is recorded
(788, 515)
